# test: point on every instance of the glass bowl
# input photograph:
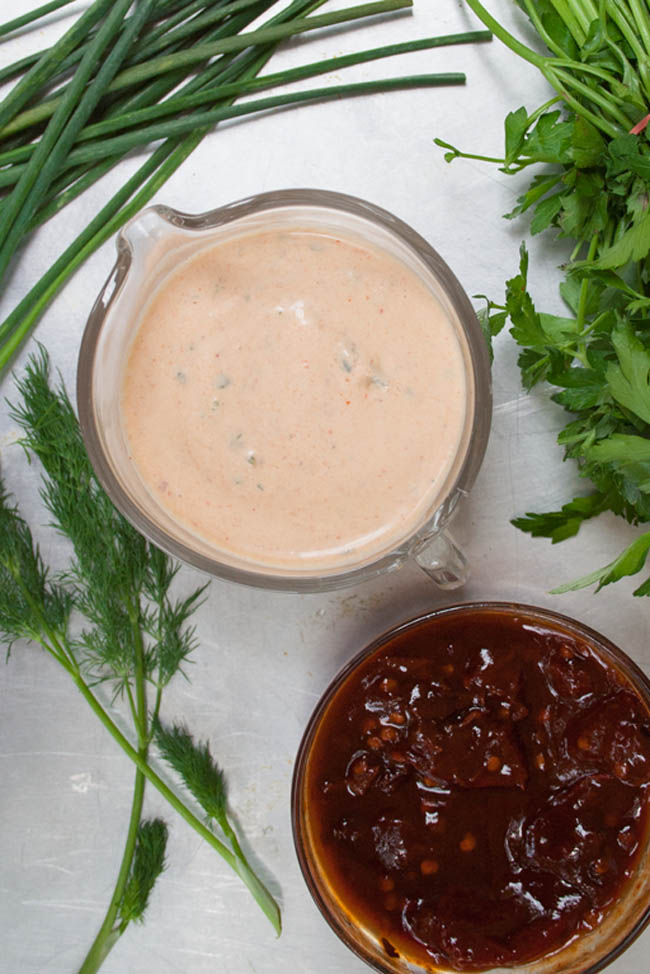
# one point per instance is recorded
(348, 911)
(150, 248)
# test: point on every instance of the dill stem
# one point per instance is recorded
(141, 727)
(108, 934)
(132, 707)
(156, 710)
(263, 898)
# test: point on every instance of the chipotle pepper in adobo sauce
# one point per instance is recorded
(478, 789)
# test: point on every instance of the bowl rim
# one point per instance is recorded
(479, 367)
(600, 642)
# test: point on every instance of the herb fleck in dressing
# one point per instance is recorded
(341, 399)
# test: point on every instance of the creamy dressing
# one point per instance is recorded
(296, 399)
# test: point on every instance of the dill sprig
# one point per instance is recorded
(31, 605)
(205, 781)
(133, 635)
(195, 765)
(147, 865)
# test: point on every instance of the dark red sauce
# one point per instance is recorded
(478, 789)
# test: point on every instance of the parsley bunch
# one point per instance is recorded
(591, 140)
(111, 618)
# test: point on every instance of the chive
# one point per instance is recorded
(187, 58)
(159, 32)
(11, 70)
(158, 87)
(157, 169)
(197, 23)
(17, 325)
(43, 70)
(179, 126)
(263, 35)
(67, 121)
(19, 322)
(222, 66)
(180, 103)
(76, 55)
(32, 15)
(155, 90)
(122, 144)
(75, 181)
(70, 187)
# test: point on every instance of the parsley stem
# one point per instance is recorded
(577, 17)
(527, 53)
(607, 103)
(578, 107)
(457, 154)
(581, 314)
(536, 20)
(642, 22)
(532, 118)
(618, 15)
(556, 73)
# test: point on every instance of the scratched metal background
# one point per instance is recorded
(265, 658)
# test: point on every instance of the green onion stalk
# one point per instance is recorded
(168, 73)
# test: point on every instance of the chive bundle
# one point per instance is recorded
(130, 73)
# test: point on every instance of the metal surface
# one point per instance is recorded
(265, 657)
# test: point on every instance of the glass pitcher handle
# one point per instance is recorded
(443, 561)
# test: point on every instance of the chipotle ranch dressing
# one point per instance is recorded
(295, 398)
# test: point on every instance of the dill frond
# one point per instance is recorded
(194, 763)
(166, 621)
(134, 631)
(29, 601)
(119, 581)
(148, 863)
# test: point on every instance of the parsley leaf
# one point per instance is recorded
(629, 380)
